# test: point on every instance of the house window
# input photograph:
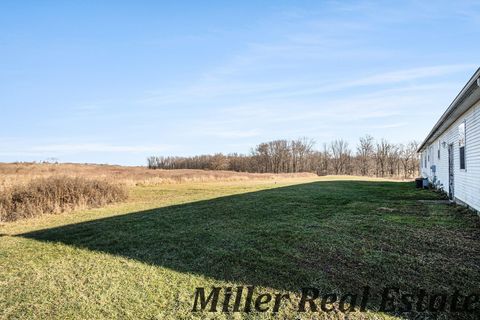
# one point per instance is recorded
(438, 150)
(462, 157)
(462, 143)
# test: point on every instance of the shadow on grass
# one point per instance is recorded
(336, 236)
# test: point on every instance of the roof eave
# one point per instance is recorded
(466, 91)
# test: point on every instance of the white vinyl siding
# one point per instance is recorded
(466, 181)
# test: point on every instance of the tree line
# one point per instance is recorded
(368, 158)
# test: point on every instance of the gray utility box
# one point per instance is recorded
(425, 183)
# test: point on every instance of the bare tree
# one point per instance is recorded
(365, 150)
(300, 150)
(393, 160)
(340, 156)
(409, 158)
(381, 157)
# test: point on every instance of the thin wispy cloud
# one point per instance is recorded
(96, 147)
(277, 89)
(65, 149)
(228, 134)
(389, 125)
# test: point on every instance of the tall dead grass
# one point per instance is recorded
(56, 194)
(12, 174)
(31, 189)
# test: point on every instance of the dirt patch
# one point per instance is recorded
(386, 209)
(435, 201)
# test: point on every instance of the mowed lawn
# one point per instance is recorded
(144, 258)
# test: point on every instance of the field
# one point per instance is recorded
(143, 258)
(20, 173)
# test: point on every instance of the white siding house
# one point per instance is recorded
(450, 155)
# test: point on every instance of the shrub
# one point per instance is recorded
(56, 195)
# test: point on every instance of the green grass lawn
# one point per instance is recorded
(144, 258)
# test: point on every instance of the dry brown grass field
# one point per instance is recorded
(21, 173)
(28, 190)
(33, 189)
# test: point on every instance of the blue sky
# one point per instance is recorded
(115, 82)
